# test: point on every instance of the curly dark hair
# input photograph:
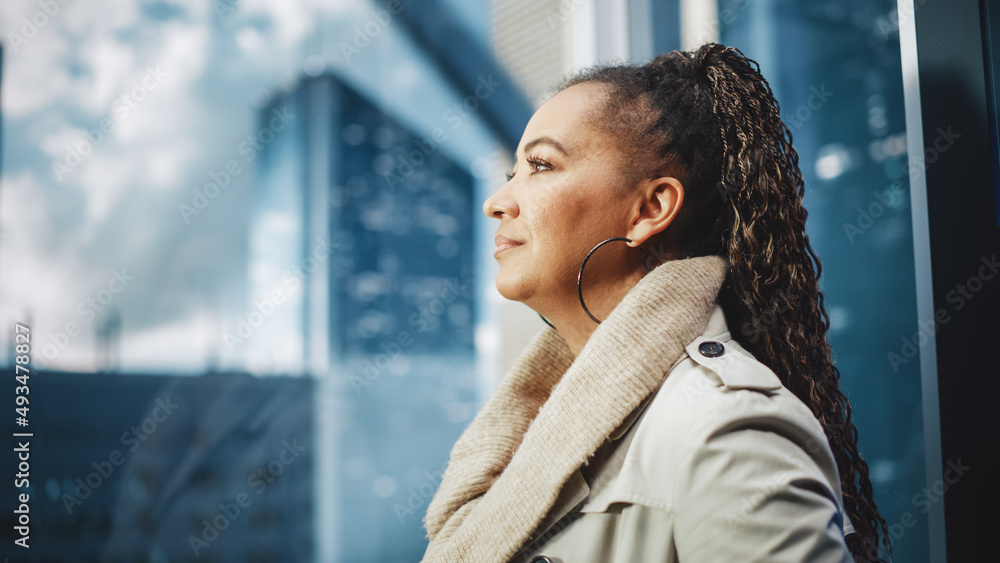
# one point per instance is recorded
(708, 117)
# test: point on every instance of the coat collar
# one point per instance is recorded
(717, 330)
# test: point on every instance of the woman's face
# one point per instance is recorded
(567, 194)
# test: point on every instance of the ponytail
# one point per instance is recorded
(717, 128)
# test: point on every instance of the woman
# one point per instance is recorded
(682, 404)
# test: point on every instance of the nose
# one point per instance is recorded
(500, 204)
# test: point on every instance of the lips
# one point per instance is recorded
(500, 239)
(504, 243)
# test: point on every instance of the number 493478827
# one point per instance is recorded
(22, 357)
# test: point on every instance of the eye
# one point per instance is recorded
(537, 165)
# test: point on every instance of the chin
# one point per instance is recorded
(513, 287)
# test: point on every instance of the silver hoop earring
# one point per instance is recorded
(579, 277)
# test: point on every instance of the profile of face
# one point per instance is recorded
(572, 187)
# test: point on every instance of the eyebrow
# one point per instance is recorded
(544, 141)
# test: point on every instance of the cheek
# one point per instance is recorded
(590, 213)
(569, 217)
(564, 232)
(553, 214)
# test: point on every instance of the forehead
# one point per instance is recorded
(570, 117)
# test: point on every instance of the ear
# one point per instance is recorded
(659, 200)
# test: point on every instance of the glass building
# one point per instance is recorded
(374, 228)
(148, 467)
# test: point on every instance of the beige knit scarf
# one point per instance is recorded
(551, 412)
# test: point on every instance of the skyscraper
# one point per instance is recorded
(365, 226)
(361, 273)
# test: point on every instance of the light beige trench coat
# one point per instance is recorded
(721, 463)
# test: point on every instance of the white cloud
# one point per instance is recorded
(119, 207)
(104, 177)
(182, 345)
(54, 143)
(39, 72)
(184, 52)
(38, 285)
(249, 39)
(108, 64)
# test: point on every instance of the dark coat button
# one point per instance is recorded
(711, 348)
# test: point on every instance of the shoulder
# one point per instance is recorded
(720, 403)
(718, 384)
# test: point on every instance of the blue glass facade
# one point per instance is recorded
(397, 290)
(404, 212)
(138, 467)
(835, 70)
(397, 217)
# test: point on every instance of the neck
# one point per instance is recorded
(569, 318)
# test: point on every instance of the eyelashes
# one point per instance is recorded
(533, 162)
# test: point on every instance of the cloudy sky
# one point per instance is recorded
(89, 218)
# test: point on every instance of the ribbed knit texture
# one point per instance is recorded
(550, 413)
